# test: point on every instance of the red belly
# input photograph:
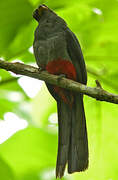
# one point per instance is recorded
(61, 66)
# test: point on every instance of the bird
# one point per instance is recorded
(57, 50)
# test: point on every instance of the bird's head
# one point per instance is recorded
(42, 10)
(44, 15)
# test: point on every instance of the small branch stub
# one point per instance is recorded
(98, 84)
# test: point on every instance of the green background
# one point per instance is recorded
(30, 154)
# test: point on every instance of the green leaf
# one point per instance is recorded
(5, 170)
(26, 150)
(14, 15)
(22, 41)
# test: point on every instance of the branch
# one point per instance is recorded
(30, 71)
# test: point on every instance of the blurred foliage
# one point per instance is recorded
(30, 154)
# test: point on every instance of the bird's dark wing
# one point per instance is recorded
(78, 147)
(75, 53)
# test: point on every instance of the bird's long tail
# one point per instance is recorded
(72, 143)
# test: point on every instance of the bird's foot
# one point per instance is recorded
(40, 69)
(61, 76)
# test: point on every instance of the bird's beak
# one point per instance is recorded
(38, 12)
